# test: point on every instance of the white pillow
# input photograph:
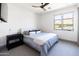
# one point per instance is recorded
(32, 33)
(38, 32)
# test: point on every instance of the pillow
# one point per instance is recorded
(38, 32)
(32, 33)
(26, 32)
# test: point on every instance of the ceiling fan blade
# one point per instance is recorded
(35, 6)
(42, 6)
(45, 4)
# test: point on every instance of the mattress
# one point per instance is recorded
(41, 41)
(30, 42)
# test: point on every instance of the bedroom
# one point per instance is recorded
(22, 17)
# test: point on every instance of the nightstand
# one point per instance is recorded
(14, 40)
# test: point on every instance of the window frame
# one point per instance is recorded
(62, 15)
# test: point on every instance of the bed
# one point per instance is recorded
(41, 41)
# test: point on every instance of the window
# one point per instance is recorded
(64, 22)
(58, 22)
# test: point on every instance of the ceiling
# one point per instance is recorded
(50, 7)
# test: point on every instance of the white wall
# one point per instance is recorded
(47, 23)
(17, 17)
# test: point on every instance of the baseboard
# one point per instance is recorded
(69, 41)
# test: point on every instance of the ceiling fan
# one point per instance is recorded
(42, 6)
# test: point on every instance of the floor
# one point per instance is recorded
(62, 48)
